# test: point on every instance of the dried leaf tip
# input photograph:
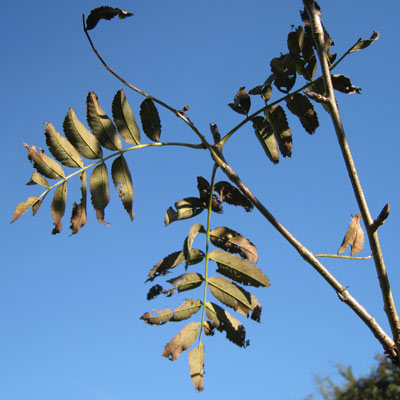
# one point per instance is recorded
(354, 236)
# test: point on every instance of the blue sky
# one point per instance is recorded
(70, 305)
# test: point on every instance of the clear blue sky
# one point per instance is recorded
(70, 305)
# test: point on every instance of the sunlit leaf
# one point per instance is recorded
(182, 341)
(277, 118)
(100, 124)
(229, 240)
(265, 135)
(58, 206)
(44, 164)
(124, 119)
(104, 12)
(161, 317)
(186, 208)
(299, 105)
(188, 308)
(343, 84)
(362, 44)
(225, 322)
(164, 266)
(37, 179)
(24, 206)
(188, 281)
(80, 137)
(187, 247)
(235, 297)
(79, 217)
(196, 366)
(122, 179)
(354, 236)
(232, 195)
(100, 192)
(150, 120)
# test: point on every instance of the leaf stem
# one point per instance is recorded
(343, 257)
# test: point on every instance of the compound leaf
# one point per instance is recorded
(61, 148)
(186, 208)
(58, 206)
(124, 119)
(101, 126)
(79, 217)
(122, 179)
(196, 366)
(150, 120)
(182, 341)
(80, 137)
(100, 192)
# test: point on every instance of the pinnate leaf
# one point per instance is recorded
(164, 266)
(87, 144)
(239, 270)
(150, 120)
(122, 179)
(182, 341)
(44, 164)
(229, 240)
(196, 366)
(100, 192)
(125, 119)
(104, 12)
(58, 206)
(61, 148)
(79, 216)
(186, 208)
(265, 135)
(354, 236)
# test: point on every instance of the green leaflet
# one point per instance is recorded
(187, 246)
(235, 297)
(173, 260)
(300, 106)
(122, 179)
(196, 366)
(79, 217)
(37, 179)
(265, 135)
(239, 270)
(24, 206)
(188, 281)
(44, 164)
(58, 206)
(124, 119)
(182, 341)
(223, 321)
(100, 192)
(277, 118)
(80, 137)
(61, 148)
(362, 44)
(186, 208)
(150, 120)
(229, 240)
(101, 126)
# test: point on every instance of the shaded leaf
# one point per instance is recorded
(196, 366)
(354, 236)
(277, 118)
(154, 292)
(225, 322)
(161, 317)
(80, 137)
(101, 126)
(205, 191)
(343, 84)
(186, 310)
(44, 164)
(186, 208)
(150, 120)
(122, 179)
(241, 102)
(265, 135)
(79, 217)
(188, 281)
(58, 207)
(100, 192)
(24, 206)
(182, 341)
(187, 246)
(104, 12)
(239, 270)
(299, 105)
(284, 69)
(235, 297)
(171, 261)
(362, 44)
(36, 206)
(232, 195)
(124, 119)
(229, 240)
(37, 179)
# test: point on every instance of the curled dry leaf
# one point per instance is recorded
(343, 84)
(231, 195)
(196, 366)
(363, 43)
(58, 206)
(186, 208)
(104, 12)
(79, 216)
(37, 179)
(24, 206)
(276, 116)
(300, 106)
(354, 236)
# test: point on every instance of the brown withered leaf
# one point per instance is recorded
(154, 292)
(185, 208)
(188, 281)
(161, 317)
(354, 236)
(343, 84)
(182, 341)
(196, 366)
(284, 69)
(58, 206)
(24, 206)
(204, 190)
(362, 44)
(104, 12)
(231, 195)
(277, 118)
(100, 192)
(79, 216)
(300, 106)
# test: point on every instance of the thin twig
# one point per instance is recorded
(344, 257)
(389, 305)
